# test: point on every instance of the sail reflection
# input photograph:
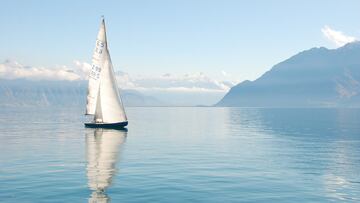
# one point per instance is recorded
(103, 147)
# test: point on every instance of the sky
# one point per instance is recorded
(226, 40)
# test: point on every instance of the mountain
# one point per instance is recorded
(22, 92)
(318, 77)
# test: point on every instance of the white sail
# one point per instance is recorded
(103, 148)
(94, 77)
(103, 96)
(112, 110)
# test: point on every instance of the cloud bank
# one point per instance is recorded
(192, 83)
(336, 37)
(14, 70)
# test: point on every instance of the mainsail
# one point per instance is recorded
(103, 99)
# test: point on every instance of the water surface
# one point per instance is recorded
(187, 154)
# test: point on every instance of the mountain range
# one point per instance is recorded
(22, 92)
(318, 77)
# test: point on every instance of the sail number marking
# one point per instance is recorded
(95, 69)
(99, 47)
(95, 72)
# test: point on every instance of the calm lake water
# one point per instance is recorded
(185, 154)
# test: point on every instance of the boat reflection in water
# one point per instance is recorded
(102, 148)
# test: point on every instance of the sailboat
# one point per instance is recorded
(103, 97)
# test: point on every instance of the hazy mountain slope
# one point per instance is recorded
(22, 92)
(316, 77)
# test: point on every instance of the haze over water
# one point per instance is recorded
(181, 155)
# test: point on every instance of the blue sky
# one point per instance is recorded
(242, 38)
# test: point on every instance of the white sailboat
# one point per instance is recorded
(103, 98)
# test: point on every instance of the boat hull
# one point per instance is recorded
(120, 125)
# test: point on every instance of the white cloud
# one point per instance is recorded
(185, 83)
(191, 82)
(14, 70)
(82, 69)
(337, 37)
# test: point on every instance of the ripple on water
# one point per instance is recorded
(184, 154)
